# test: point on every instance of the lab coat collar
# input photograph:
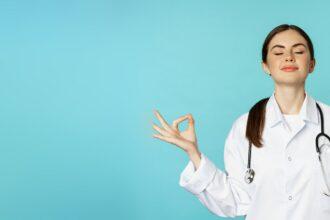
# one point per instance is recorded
(308, 111)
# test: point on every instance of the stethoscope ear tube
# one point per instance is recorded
(326, 180)
(317, 144)
(318, 150)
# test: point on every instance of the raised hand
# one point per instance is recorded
(186, 139)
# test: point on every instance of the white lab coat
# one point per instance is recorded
(288, 182)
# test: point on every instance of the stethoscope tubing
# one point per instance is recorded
(250, 173)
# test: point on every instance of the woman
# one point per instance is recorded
(287, 181)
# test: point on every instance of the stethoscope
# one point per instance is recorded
(249, 175)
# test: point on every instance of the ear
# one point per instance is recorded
(312, 66)
(265, 67)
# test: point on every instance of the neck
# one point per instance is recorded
(290, 99)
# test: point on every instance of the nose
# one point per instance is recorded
(289, 58)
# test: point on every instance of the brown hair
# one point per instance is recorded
(256, 117)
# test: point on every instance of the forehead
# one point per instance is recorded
(287, 38)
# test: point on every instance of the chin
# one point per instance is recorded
(290, 81)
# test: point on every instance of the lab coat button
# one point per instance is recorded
(289, 158)
(290, 197)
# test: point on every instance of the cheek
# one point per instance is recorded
(274, 62)
(304, 61)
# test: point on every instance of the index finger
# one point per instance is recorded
(176, 122)
(162, 120)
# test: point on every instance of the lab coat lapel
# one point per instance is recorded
(274, 116)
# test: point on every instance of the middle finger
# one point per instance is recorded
(162, 121)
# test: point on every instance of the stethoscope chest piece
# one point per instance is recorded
(249, 175)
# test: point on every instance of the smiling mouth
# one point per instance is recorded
(289, 69)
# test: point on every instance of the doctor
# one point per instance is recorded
(288, 182)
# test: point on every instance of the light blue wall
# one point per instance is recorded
(79, 80)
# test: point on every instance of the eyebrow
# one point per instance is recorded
(295, 45)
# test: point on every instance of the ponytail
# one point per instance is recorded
(256, 122)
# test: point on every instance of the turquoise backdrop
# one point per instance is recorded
(79, 81)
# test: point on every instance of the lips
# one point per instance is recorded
(289, 68)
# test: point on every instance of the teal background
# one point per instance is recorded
(79, 81)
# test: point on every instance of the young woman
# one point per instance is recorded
(272, 167)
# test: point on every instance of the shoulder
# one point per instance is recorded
(241, 120)
(324, 106)
(236, 142)
(239, 126)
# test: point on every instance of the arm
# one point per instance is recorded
(223, 193)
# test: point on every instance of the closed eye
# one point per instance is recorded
(298, 52)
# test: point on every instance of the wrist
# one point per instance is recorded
(196, 158)
(194, 152)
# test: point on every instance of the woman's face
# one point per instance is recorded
(288, 49)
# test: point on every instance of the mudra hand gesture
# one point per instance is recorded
(186, 139)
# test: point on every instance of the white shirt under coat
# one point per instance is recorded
(288, 182)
